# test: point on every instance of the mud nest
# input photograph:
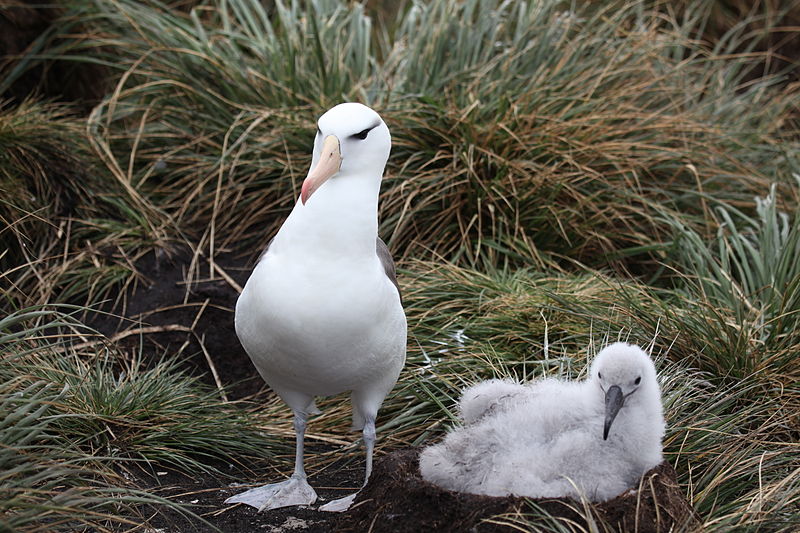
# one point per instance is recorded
(398, 500)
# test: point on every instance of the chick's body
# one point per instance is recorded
(545, 439)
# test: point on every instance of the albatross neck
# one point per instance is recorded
(341, 217)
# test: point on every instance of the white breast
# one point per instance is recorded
(321, 325)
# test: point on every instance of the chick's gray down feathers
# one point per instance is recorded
(545, 438)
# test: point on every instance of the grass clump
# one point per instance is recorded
(728, 443)
(68, 231)
(43, 169)
(567, 131)
(75, 415)
(46, 484)
(747, 280)
(40, 482)
(520, 131)
(116, 407)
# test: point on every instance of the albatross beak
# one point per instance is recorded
(330, 160)
(614, 401)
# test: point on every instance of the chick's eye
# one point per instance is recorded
(361, 135)
(638, 380)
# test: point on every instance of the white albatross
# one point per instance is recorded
(553, 438)
(321, 313)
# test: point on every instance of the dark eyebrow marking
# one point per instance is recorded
(319, 131)
(361, 135)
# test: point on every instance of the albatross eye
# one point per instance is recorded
(361, 135)
(638, 380)
(599, 375)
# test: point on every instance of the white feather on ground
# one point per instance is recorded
(546, 438)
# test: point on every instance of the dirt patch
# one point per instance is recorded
(164, 315)
(205, 494)
(398, 500)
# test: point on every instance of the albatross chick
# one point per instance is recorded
(554, 438)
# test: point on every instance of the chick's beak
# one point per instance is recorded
(614, 401)
(330, 161)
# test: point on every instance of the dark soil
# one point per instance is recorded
(187, 320)
(204, 495)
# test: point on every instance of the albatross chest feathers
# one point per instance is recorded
(321, 329)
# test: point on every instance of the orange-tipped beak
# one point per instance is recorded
(330, 160)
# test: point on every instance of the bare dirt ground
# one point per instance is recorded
(206, 494)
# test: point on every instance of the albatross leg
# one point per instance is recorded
(343, 504)
(293, 491)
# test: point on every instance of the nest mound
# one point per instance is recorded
(398, 500)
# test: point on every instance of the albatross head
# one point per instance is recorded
(627, 377)
(351, 139)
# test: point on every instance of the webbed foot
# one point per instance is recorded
(293, 491)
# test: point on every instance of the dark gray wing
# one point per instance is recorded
(388, 264)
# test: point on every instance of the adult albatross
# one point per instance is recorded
(321, 313)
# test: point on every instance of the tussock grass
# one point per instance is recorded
(43, 169)
(48, 484)
(769, 24)
(115, 407)
(728, 449)
(75, 415)
(748, 282)
(45, 486)
(564, 132)
(520, 132)
(68, 230)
